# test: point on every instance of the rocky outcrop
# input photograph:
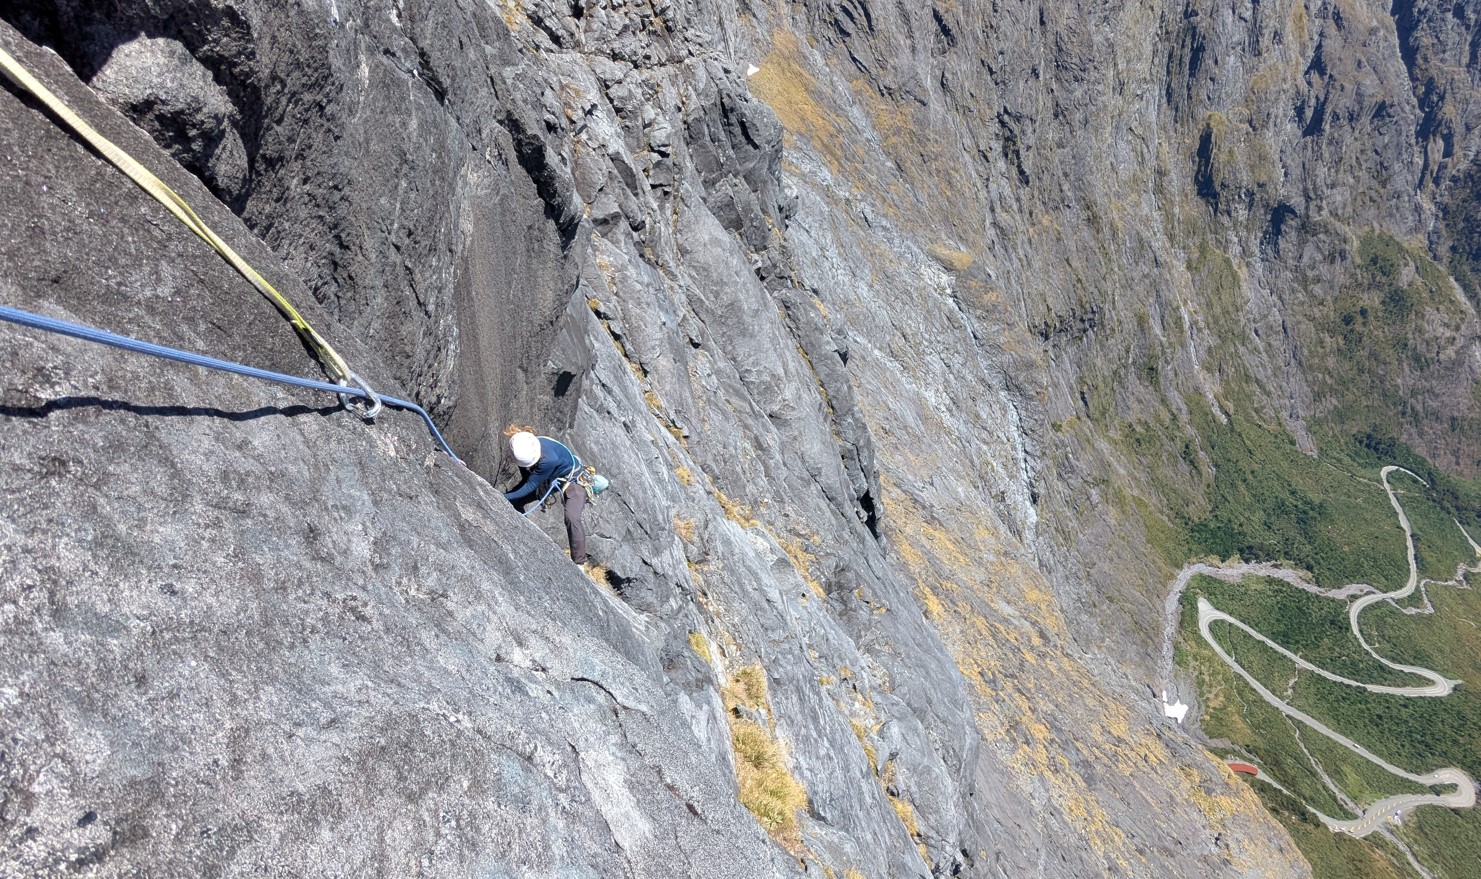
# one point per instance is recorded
(411, 201)
(858, 335)
(246, 634)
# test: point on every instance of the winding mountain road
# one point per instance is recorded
(1464, 795)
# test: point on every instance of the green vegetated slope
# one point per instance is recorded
(1383, 351)
(1329, 516)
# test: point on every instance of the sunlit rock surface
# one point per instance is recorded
(862, 340)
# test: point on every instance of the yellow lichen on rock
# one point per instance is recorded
(1003, 626)
(701, 646)
(1216, 807)
(935, 610)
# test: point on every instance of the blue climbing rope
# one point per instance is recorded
(543, 498)
(102, 337)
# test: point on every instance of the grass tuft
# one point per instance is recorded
(952, 260)
(740, 514)
(767, 788)
(802, 562)
(906, 813)
(748, 688)
(862, 735)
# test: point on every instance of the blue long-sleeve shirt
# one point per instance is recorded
(555, 461)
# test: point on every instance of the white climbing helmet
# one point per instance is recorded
(526, 448)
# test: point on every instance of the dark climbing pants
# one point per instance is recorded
(575, 499)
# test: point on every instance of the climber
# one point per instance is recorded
(548, 466)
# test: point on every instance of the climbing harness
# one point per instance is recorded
(558, 482)
(597, 484)
(332, 362)
(580, 474)
(102, 337)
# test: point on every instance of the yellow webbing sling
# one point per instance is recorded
(333, 363)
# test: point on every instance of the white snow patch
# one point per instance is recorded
(1177, 710)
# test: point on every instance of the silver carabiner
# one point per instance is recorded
(366, 411)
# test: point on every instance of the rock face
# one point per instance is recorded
(858, 339)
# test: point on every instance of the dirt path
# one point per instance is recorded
(1464, 795)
